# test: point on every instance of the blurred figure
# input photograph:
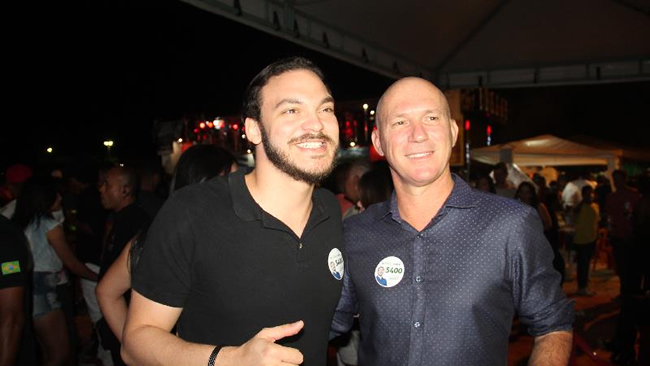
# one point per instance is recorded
(620, 208)
(15, 176)
(90, 220)
(571, 193)
(148, 198)
(503, 186)
(635, 306)
(603, 189)
(50, 252)
(118, 194)
(375, 186)
(586, 217)
(14, 288)
(197, 164)
(200, 163)
(548, 197)
(486, 184)
(527, 194)
(351, 187)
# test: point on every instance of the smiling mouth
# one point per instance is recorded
(419, 155)
(311, 144)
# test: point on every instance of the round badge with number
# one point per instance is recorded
(389, 272)
(335, 263)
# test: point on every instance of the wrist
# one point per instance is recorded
(213, 356)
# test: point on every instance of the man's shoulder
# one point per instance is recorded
(368, 218)
(498, 207)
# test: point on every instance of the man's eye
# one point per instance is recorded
(291, 111)
(328, 109)
(399, 123)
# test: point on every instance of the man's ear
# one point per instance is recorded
(376, 141)
(253, 132)
(454, 132)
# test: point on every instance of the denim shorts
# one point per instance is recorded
(45, 297)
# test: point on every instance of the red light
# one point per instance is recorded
(467, 125)
(235, 127)
(196, 130)
(489, 130)
(210, 125)
(202, 125)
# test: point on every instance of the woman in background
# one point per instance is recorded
(35, 206)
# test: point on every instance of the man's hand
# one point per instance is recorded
(261, 350)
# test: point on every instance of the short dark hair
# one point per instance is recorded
(251, 107)
(200, 163)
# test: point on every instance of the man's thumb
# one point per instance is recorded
(281, 331)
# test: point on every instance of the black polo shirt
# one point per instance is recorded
(235, 269)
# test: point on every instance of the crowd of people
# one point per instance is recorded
(228, 265)
(583, 215)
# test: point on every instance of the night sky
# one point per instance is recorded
(108, 70)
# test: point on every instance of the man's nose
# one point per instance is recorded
(418, 133)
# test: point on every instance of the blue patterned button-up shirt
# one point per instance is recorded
(482, 259)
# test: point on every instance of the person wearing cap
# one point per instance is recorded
(15, 176)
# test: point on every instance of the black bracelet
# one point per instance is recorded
(213, 355)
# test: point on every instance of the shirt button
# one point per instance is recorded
(300, 246)
(417, 324)
(418, 279)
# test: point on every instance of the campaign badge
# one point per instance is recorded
(389, 272)
(335, 263)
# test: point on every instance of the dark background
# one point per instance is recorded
(106, 70)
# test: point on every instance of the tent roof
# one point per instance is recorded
(465, 43)
(549, 150)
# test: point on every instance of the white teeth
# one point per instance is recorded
(310, 145)
(418, 155)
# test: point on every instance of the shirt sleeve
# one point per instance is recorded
(346, 309)
(163, 273)
(13, 257)
(537, 294)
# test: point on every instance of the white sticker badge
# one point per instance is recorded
(335, 264)
(389, 272)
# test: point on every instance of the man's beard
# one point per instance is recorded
(281, 161)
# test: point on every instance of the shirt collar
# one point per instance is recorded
(243, 203)
(247, 209)
(460, 197)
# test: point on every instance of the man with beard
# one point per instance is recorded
(241, 263)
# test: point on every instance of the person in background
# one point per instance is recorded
(148, 199)
(351, 187)
(50, 250)
(620, 207)
(198, 164)
(90, 220)
(486, 184)
(118, 194)
(375, 186)
(586, 218)
(548, 197)
(503, 186)
(14, 288)
(458, 263)
(15, 176)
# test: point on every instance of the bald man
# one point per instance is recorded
(457, 263)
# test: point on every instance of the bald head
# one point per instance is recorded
(409, 89)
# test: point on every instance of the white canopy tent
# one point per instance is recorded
(548, 150)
